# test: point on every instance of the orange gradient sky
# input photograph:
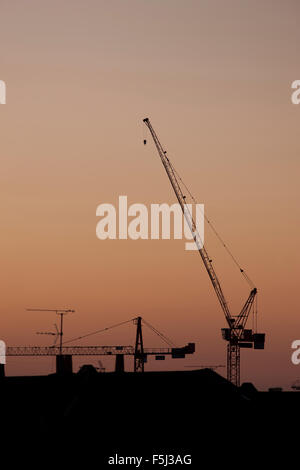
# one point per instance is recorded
(215, 79)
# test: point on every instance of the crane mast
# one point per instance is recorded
(235, 334)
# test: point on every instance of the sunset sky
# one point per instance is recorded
(215, 79)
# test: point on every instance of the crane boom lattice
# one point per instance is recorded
(236, 334)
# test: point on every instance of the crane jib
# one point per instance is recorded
(236, 334)
(181, 199)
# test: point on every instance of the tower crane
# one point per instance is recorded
(236, 335)
(140, 354)
(61, 312)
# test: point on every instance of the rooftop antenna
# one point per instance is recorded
(296, 385)
(59, 332)
(101, 368)
(52, 333)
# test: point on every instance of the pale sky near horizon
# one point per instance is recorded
(215, 79)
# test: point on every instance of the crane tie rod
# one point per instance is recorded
(161, 335)
(247, 278)
(98, 331)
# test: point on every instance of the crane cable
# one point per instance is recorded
(98, 331)
(161, 335)
(242, 271)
